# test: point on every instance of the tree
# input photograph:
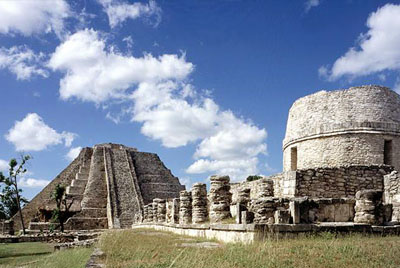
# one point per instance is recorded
(60, 215)
(253, 178)
(11, 196)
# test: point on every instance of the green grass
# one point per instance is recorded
(146, 249)
(41, 255)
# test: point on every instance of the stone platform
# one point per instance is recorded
(249, 233)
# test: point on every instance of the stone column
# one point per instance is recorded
(220, 198)
(154, 209)
(175, 211)
(161, 211)
(169, 211)
(149, 212)
(265, 188)
(185, 211)
(199, 203)
(368, 205)
(145, 213)
(264, 209)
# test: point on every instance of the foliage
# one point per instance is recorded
(11, 199)
(253, 178)
(60, 213)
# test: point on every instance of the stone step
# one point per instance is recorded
(84, 169)
(39, 226)
(81, 176)
(93, 213)
(82, 223)
(79, 183)
(74, 196)
(75, 190)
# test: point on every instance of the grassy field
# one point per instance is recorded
(41, 255)
(147, 248)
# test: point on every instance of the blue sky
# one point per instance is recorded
(206, 85)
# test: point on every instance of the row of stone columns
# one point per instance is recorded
(193, 206)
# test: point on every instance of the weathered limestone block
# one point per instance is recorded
(264, 209)
(154, 209)
(242, 210)
(185, 211)
(6, 227)
(199, 203)
(244, 196)
(266, 188)
(161, 210)
(168, 218)
(220, 198)
(175, 211)
(368, 205)
(145, 213)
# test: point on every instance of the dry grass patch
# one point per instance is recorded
(134, 248)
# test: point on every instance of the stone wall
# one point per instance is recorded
(391, 194)
(339, 182)
(343, 127)
(254, 186)
(154, 179)
(344, 149)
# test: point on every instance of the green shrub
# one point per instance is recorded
(253, 178)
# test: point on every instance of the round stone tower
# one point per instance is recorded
(355, 126)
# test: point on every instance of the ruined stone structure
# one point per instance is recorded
(357, 126)
(340, 155)
(109, 186)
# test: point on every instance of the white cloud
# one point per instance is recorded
(29, 17)
(237, 169)
(310, 4)
(32, 134)
(3, 165)
(22, 61)
(119, 11)
(32, 183)
(228, 144)
(377, 51)
(95, 73)
(73, 153)
(169, 108)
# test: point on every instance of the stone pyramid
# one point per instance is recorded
(107, 185)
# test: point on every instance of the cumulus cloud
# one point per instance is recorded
(29, 17)
(32, 134)
(168, 107)
(97, 74)
(118, 11)
(73, 153)
(377, 50)
(32, 183)
(310, 4)
(22, 61)
(3, 165)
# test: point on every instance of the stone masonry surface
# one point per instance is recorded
(110, 185)
(343, 127)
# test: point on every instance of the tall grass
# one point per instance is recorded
(138, 248)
